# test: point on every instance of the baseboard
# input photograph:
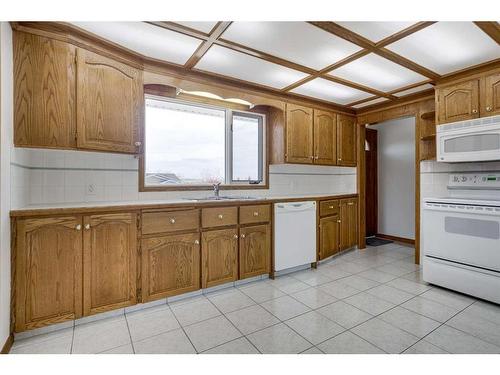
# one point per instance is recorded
(8, 344)
(396, 238)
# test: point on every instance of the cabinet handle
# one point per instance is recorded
(474, 111)
(339, 221)
(172, 221)
(87, 226)
(220, 216)
(137, 144)
(235, 236)
(350, 203)
(78, 227)
(488, 109)
(339, 159)
(316, 157)
(330, 207)
(255, 213)
(242, 235)
(312, 157)
(196, 242)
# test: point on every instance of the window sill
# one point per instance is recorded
(202, 187)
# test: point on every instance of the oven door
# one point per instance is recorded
(463, 234)
(473, 144)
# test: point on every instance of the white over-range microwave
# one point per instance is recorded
(470, 140)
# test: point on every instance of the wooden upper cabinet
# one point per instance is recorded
(458, 102)
(325, 137)
(255, 250)
(44, 92)
(109, 261)
(490, 95)
(348, 223)
(48, 277)
(109, 104)
(346, 140)
(329, 236)
(170, 265)
(219, 257)
(299, 134)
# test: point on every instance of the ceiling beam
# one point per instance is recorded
(172, 26)
(404, 33)
(215, 34)
(358, 86)
(490, 28)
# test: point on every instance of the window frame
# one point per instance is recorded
(230, 111)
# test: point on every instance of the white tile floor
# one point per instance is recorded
(364, 301)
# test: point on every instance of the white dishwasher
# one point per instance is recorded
(294, 234)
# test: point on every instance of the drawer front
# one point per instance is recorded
(170, 221)
(255, 214)
(219, 216)
(327, 208)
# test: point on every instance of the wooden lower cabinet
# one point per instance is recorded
(255, 250)
(348, 223)
(329, 228)
(48, 271)
(109, 262)
(170, 265)
(219, 257)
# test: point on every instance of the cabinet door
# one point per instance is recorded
(299, 134)
(348, 223)
(255, 250)
(328, 236)
(325, 137)
(48, 273)
(109, 262)
(490, 95)
(44, 92)
(458, 102)
(109, 104)
(219, 257)
(170, 265)
(346, 140)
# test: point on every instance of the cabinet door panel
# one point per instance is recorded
(328, 236)
(458, 102)
(48, 271)
(170, 265)
(346, 140)
(255, 250)
(325, 137)
(44, 92)
(490, 95)
(110, 101)
(219, 257)
(109, 262)
(299, 134)
(349, 223)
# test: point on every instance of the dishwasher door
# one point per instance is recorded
(294, 234)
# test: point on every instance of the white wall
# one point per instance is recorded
(396, 177)
(6, 96)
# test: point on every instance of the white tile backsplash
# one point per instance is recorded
(60, 176)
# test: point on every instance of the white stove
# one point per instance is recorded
(461, 236)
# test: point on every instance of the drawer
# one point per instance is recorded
(331, 207)
(255, 214)
(170, 221)
(219, 216)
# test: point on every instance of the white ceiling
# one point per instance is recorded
(230, 63)
(326, 90)
(205, 27)
(145, 39)
(445, 47)
(375, 31)
(298, 42)
(378, 73)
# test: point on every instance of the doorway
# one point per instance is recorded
(371, 194)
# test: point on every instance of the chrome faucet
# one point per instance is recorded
(216, 189)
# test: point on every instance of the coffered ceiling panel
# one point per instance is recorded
(445, 47)
(298, 42)
(413, 90)
(205, 27)
(145, 39)
(326, 90)
(229, 63)
(378, 73)
(371, 102)
(375, 31)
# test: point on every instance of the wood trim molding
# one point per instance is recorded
(396, 238)
(215, 34)
(7, 345)
(492, 29)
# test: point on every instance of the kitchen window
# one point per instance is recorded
(193, 146)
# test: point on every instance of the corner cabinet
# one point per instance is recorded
(348, 223)
(346, 141)
(490, 98)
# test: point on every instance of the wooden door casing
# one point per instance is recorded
(109, 104)
(490, 95)
(329, 236)
(325, 137)
(255, 250)
(346, 141)
(48, 276)
(371, 191)
(170, 265)
(109, 262)
(299, 134)
(458, 102)
(219, 257)
(348, 223)
(44, 92)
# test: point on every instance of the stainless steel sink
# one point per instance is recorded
(222, 198)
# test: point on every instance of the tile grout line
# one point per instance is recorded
(129, 333)
(183, 330)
